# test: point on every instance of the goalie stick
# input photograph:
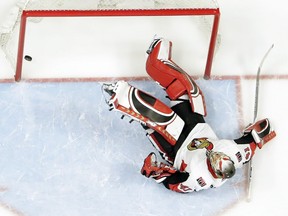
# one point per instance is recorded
(255, 117)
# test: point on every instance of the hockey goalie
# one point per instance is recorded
(196, 158)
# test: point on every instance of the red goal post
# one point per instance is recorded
(109, 8)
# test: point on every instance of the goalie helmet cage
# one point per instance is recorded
(108, 8)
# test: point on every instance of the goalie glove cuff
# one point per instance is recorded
(261, 132)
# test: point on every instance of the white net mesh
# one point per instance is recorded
(9, 31)
(117, 4)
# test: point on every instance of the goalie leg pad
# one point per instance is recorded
(147, 110)
(171, 77)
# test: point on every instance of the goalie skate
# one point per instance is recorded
(108, 88)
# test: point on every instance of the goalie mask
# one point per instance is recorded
(221, 164)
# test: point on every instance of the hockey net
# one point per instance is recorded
(111, 28)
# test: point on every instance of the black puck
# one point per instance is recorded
(28, 58)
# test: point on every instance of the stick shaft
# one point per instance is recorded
(255, 117)
(258, 83)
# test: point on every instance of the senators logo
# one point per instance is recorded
(199, 143)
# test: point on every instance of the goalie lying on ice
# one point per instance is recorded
(196, 158)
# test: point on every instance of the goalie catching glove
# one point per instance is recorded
(261, 132)
(150, 168)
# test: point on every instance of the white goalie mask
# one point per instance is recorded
(221, 164)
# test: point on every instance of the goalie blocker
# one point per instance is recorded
(261, 132)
